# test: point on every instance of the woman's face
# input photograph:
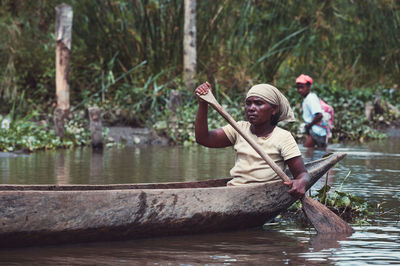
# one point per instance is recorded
(259, 111)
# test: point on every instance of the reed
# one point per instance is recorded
(340, 43)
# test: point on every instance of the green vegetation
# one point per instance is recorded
(27, 136)
(127, 58)
(347, 206)
(344, 204)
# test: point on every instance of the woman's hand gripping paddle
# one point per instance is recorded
(323, 219)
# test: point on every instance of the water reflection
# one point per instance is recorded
(327, 241)
(248, 247)
(96, 166)
(61, 169)
(128, 165)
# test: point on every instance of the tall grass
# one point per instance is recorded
(340, 43)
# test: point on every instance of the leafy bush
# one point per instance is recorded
(27, 136)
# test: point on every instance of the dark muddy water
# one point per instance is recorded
(374, 175)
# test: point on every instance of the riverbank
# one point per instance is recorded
(131, 136)
(35, 132)
(392, 130)
(135, 136)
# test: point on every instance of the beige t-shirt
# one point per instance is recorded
(249, 166)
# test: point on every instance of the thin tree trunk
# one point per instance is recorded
(64, 15)
(96, 128)
(189, 43)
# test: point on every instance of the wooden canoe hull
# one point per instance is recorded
(42, 215)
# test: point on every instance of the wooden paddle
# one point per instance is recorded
(323, 219)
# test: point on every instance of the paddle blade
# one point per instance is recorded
(323, 219)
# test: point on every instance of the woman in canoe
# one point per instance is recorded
(265, 106)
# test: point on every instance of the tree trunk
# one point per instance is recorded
(369, 111)
(96, 128)
(59, 120)
(64, 14)
(189, 43)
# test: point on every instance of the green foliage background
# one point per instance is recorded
(127, 56)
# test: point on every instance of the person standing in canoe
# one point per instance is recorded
(265, 106)
(312, 114)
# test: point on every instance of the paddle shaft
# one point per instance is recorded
(209, 97)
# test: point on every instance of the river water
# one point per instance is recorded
(374, 176)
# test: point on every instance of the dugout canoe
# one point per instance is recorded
(58, 214)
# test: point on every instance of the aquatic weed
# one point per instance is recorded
(350, 208)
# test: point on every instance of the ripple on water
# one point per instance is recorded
(376, 245)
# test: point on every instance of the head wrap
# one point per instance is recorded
(303, 79)
(273, 96)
